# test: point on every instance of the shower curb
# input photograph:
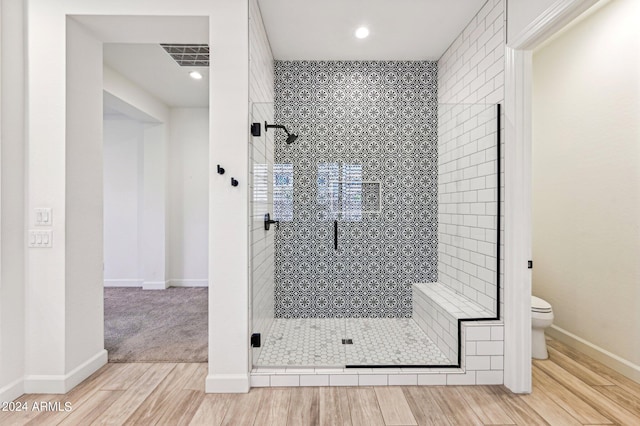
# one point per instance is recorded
(482, 364)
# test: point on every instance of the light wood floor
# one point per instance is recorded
(569, 389)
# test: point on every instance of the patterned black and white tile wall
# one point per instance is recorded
(367, 157)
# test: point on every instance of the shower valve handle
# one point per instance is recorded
(268, 222)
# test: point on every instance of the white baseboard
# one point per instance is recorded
(155, 285)
(189, 283)
(123, 283)
(58, 383)
(621, 365)
(227, 383)
(12, 390)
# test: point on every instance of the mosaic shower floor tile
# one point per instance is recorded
(317, 342)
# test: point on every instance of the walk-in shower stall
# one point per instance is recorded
(376, 222)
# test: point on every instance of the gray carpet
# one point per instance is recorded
(156, 325)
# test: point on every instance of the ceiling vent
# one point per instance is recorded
(189, 55)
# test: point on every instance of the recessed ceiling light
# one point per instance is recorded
(195, 75)
(362, 32)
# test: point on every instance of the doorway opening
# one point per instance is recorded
(154, 189)
(585, 183)
(156, 202)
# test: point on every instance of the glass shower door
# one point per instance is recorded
(262, 241)
(302, 322)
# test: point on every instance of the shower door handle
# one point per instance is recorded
(335, 235)
(268, 222)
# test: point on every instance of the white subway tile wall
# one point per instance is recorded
(343, 380)
(314, 380)
(403, 380)
(373, 380)
(466, 191)
(470, 83)
(285, 380)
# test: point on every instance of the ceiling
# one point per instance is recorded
(297, 30)
(151, 68)
(400, 29)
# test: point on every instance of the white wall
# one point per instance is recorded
(141, 119)
(12, 191)
(261, 97)
(174, 251)
(229, 206)
(188, 197)
(586, 217)
(84, 204)
(153, 224)
(123, 186)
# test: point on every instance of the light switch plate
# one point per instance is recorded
(43, 217)
(40, 239)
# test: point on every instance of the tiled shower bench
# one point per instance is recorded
(437, 310)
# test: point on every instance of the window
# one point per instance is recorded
(351, 193)
(260, 190)
(283, 192)
(341, 191)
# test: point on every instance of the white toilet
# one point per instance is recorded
(541, 318)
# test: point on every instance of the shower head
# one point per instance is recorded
(291, 137)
